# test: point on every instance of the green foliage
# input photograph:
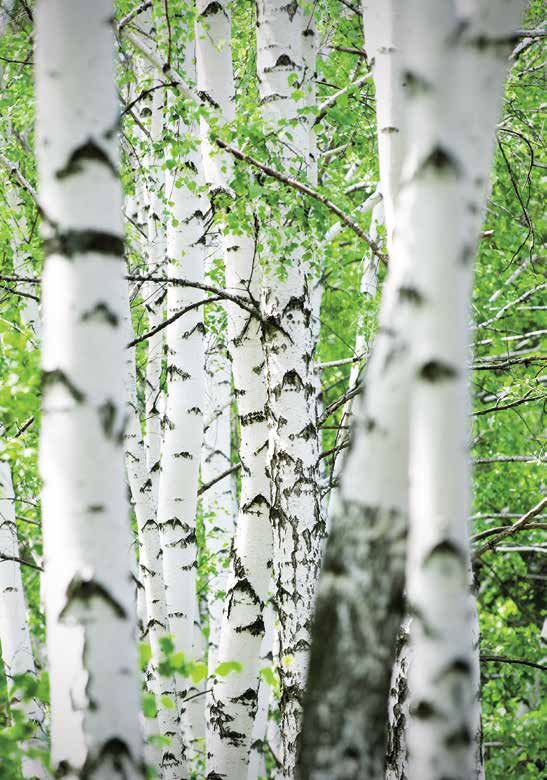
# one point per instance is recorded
(509, 582)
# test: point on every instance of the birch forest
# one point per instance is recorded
(272, 390)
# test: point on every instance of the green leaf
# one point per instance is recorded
(167, 645)
(226, 667)
(198, 672)
(145, 654)
(149, 705)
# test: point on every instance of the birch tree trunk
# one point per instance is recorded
(360, 596)
(89, 598)
(156, 251)
(233, 701)
(456, 64)
(150, 568)
(219, 501)
(297, 525)
(183, 422)
(17, 653)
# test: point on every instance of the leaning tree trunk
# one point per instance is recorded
(455, 64)
(233, 702)
(297, 525)
(87, 545)
(15, 639)
(360, 596)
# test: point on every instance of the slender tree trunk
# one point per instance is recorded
(155, 298)
(233, 701)
(17, 653)
(183, 422)
(456, 64)
(257, 765)
(219, 501)
(234, 697)
(360, 601)
(89, 598)
(150, 569)
(298, 528)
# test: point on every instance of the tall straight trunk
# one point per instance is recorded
(150, 569)
(297, 525)
(234, 697)
(359, 608)
(219, 501)
(15, 639)
(183, 421)
(257, 763)
(155, 256)
(233, 701)
(384, 36)
(89, 596)
(456, 63)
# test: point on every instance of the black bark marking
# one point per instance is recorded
(291, 9)
(101, 313)
(437, 371)
(424, 710)
(107, 416)
(442, 161)
(445, 548)
(256, 628)
(78, 242)
(416, 84)
(88, 151)
(83, 591)
(411, 295)
(58, 376)
(251, 418)
(460, 738)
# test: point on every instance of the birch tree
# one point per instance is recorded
(183, 421)
(455, 81)
(293, 454)
(89, 600)
(360, 592)
(234, 697)
(17, 655)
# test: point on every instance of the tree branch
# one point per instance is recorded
(306, 190)
(513, 529)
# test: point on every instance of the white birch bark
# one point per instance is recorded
(384, 36)
(183, 420)
(233, 701)
(360, 592)
(297, 525)
(218, 502)
(150, 568)
(89, 598)
(234, 697)
(156, 251)
(257, 764)
(455, 72)
(15, 639)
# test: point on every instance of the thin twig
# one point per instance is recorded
(306, 190)
(207, 485)
(503, 659)
(22, 561)
(524, 520)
